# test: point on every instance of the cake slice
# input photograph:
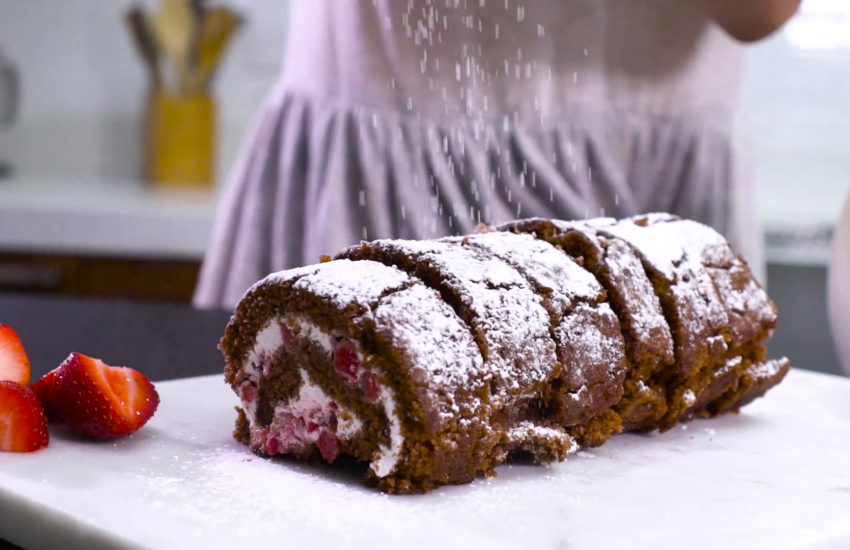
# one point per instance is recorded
(589, 345)
(751, 315)
(361, 359)
(630, 293)
(506, 317)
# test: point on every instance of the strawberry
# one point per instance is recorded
(99, 401)
(23, 427)
(45, 389)
(346, 360)
(14, 365)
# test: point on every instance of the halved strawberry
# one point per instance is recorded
(46, 391)
(23, 428)
(100, 401)
(14, 365)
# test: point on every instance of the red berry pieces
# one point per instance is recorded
(23, 427)
(369, 385)
(272, 446)
(328, 445)
(248, 391)
(346, 361)
(287, 334)
(14, 365)
(99, 401)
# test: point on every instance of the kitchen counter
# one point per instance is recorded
(104, 218)
(165, 341)
(126, 219)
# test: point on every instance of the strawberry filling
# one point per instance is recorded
(347, 363)
(309, 420)
(287, 335)
(248, 391)
(328, 445)
(346, 360)
(299, 424)
(369, 385)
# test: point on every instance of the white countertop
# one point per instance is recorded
(126, 218)
(100, 218)
(774, 476)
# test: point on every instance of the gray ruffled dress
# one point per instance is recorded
(421, 118)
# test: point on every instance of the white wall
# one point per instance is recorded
(83, 86)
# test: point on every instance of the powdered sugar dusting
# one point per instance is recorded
(697, 240)
(528, 432)
(562, 280)
(282, 277)
(767, 369)
(699, 309)
(641, 308)
(731, 364)
(663, 255)
(593, 347)
(348, 283)
(507, 313)
(437, 346)
(502, 308)
(749, 307)
(592, 351)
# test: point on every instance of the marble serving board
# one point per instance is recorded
(775, 476)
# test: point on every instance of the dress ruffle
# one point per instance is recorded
(318, 175)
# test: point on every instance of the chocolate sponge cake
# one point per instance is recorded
(649, 343)
(587, 336)
(436, 361)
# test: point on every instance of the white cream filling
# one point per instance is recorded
(250, 408)
(387, 458)
(312, 398)
(269, 340)
(312, 332)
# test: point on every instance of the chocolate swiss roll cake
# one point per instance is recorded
(718, 315)
(436, 361)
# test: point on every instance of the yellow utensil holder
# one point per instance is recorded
(181, 132)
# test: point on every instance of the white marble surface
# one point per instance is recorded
(776, 476)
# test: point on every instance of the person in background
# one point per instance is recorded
(839, 288)
(421, 118)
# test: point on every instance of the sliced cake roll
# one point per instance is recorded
(506, 316)
(750, 314)
(589, 345)
(435, 361)
(648, 341)
(362, 359)
(358, 358)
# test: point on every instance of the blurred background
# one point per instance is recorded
(96, 205)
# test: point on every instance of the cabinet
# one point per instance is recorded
(91, 276)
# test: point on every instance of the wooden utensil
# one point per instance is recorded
(145, 42)
(219, 26)
(174, 27)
